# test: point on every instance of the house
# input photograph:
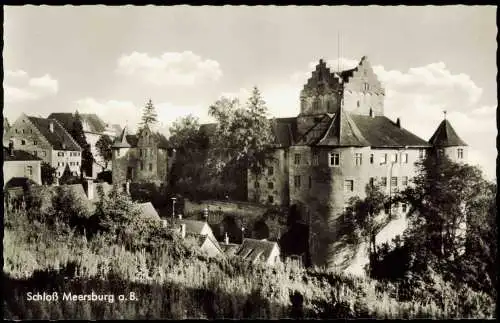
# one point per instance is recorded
(196, 227)
(264, 251)
(20, 167)
(147, 211)
(140, 157)
(202, 234)
(229, 249)
(48, 140)
(93, 128)
(340, 142)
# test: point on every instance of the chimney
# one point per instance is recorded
(226, 239)
(90, 188)
(51, 126)
(183, 230)
(371, 113)
(398, 123)
(11, 147)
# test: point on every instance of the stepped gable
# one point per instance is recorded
(343, 132)
(445, 136)
(60, 139)
(322, 79)
(381, 132)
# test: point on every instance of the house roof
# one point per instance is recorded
(193, 226)
(95, 124)
(342, 132)
(201, 239)
(445, 136)
(229, 248)
(19, 182)
(60, 139)
(253, 250)
(147, 210)
(18, 155)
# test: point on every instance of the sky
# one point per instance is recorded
(111, 60)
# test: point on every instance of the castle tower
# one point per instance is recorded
(446, 141)
(120, 148)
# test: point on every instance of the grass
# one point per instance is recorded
(173, 284)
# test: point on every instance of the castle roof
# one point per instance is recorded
(125, 140)
(445, 136)
(59, 139)
(342, 132)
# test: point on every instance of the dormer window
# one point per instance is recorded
(366, 87)
(460, 153)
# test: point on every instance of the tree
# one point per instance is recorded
(79, 136)
(149, 116)
(243, 133)
(103, 146)
(48, 173)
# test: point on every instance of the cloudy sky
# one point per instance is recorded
(111, 60)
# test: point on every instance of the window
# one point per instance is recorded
(58, 174)
(44, 153)
(118, 152)
(395, 158)
(334, 159)
(296, 181)
(421, 153)
(140, 152)
(349, 185)
(403, 207)
(460, 153)
(383, 181)
(297, 159)
(371, 158)
(150, 167)
(17, 131)
(404, 180)
(270, 171)
(405, 158)
(366, 87)
(23, 130)
(142, 166)
(310, 182)
(35, 153)
(257, 184)
(77, 163)
(270, 199)
(372, 181)
(357, 103)
(31, 130)
(35, 142)
(315, 159)
(29, 170)
(23, 142)
(270, 185)
(384, 159)
(394, 181)
(358, 159)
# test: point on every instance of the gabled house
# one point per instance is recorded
(47, 139)
(93, 128)
(20, 167)
(264, 251)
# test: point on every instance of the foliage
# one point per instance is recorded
(149, 192)
(451, 230)
(78, 135)
(149, 115)
(48, 173)
(105, 176)
(243, 133)
(103, 146)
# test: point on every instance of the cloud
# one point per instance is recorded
(171, 68)
(20, 87)
(129, 113)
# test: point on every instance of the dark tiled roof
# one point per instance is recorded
(445, 136)
(19, 182)
(60, 139)
(18, 155)
(193, 226)
(381, 132)
(284, 130)
(343, 132)
(66, 119)
(316, 132)
(253, 250)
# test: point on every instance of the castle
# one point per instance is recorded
(340, 142)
